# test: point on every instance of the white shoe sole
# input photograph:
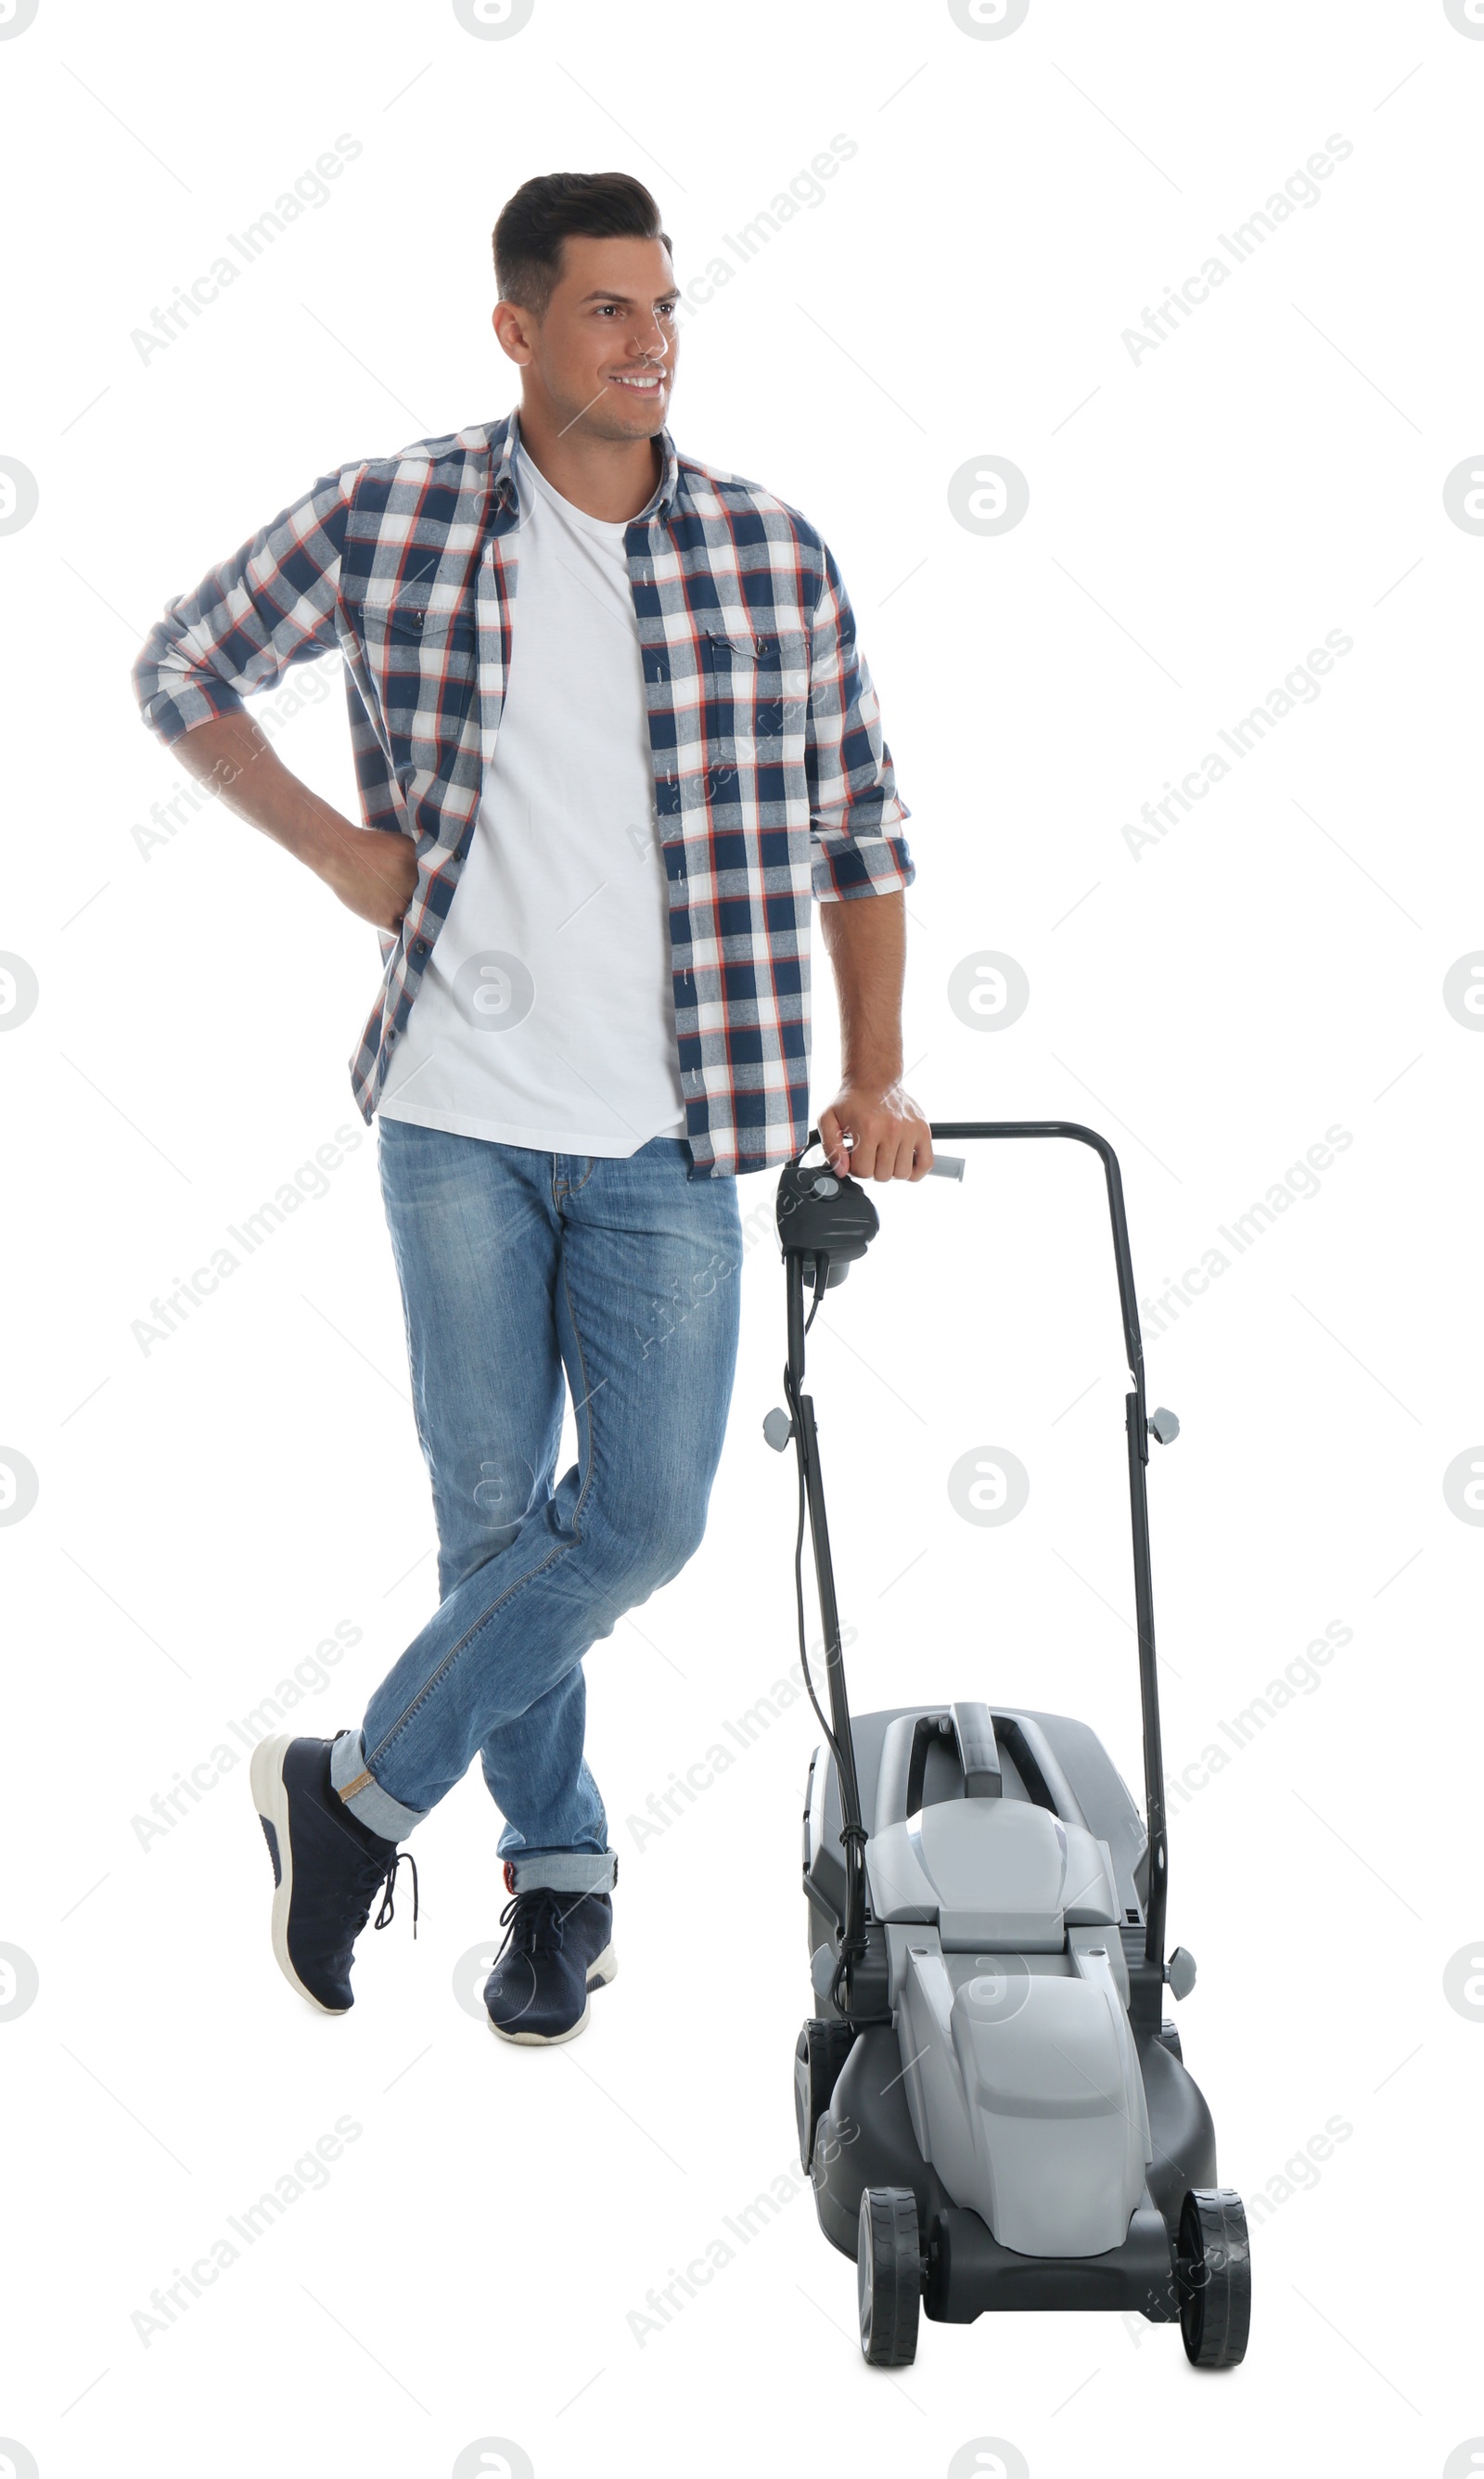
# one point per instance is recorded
(265, 1774)
(600, 1974)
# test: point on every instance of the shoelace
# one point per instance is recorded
(387, 1880)
(532, 1921)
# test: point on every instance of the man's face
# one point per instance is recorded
(602, 357)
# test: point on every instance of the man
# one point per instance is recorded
(595, 809)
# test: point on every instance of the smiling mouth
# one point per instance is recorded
(641, 382)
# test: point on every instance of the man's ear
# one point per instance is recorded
(512, 324)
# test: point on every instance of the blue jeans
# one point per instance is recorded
(517, 1267)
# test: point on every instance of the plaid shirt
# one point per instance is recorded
(771, 779)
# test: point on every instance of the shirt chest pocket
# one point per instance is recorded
(763, 680)
(421, 662)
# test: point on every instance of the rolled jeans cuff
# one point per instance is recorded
(363, 1794)
(562, 1872)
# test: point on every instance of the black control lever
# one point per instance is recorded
(822, 1216)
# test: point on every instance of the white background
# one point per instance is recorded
(209, 1509)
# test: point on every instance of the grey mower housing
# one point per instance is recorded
(993, 2109)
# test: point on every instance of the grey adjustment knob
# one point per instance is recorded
(1164, 1427)
(777, 1429)
(1180, 1972)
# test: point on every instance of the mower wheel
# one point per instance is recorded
(822, 2050)
(889, 2276)
(1214, 2276)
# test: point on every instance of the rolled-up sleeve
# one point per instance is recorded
(272, 603)
(854, 813)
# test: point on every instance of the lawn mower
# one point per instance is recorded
(992, 2107)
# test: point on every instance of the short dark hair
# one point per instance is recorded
(534, 223)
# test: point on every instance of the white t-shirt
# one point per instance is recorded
(546, 1016)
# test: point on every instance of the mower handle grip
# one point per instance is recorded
(942, 1165)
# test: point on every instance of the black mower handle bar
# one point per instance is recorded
(1137, 1426)
(952, 1167)
(804, 1193)
(1073, 1130)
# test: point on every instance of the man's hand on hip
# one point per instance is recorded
(372, 872)
(891, 1136)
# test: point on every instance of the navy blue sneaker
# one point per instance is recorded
(557, 1948)
(327, 1867)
